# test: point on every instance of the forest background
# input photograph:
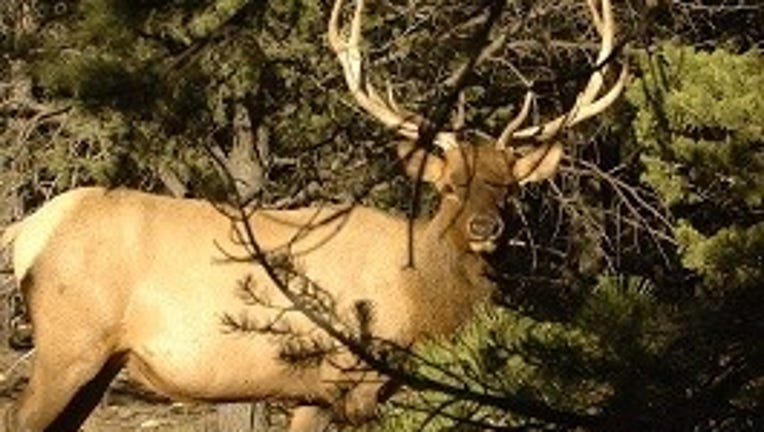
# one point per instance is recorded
(631, 290)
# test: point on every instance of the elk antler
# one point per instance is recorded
(587, 105)
(406, 124)
(349, 55)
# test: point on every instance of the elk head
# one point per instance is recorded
(474, 181)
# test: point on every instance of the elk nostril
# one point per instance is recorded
(485, 227)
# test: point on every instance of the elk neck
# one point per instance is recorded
(452, 280)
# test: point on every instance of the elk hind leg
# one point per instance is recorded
(61, 394)
(87, 397)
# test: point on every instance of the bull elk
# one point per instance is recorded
(122, 279)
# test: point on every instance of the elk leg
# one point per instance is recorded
(309, 418)
(352, 390)
(87, 397)
(64, 389)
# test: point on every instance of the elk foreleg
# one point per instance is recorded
(352, 388)
(309, 418)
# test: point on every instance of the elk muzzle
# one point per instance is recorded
(483, 230)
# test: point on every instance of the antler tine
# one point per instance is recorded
(605, 25)
(508, 132)
(587, 105)
(348, 53)
(596, 17)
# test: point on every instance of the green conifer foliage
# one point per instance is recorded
(701, 125)
(704, 140)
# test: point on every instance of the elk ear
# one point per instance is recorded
(419, 162)
(540, 164)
